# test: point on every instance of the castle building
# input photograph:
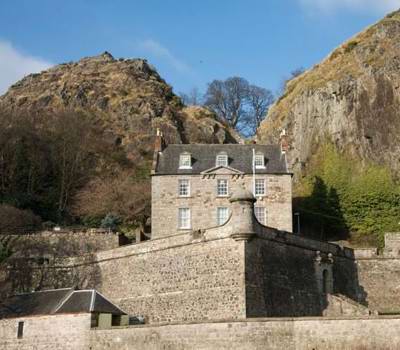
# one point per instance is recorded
(192, 184)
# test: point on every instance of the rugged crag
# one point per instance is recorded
(128, 96)
(351, 99)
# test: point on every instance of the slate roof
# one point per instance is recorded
(240, 157)
(57, 301)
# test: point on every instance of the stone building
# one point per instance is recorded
(55, 318)
(219, 273)
(192, 184)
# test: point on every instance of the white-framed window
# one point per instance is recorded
(222, 188)
(259, 187)
(259, 161)
(184, 187)
(222, 215)
(185, 161)
(221, 159)
(261, 215)
(184, 218)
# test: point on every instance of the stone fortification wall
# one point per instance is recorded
(62, 243)
(275, 334)
(73, 332)
(41, 260)
(234, 271)
(203, 200)
(176, 279)
(61, 332)
(287, 275)
(380, 280)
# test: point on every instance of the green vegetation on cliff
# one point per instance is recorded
(342, 198)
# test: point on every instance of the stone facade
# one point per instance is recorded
(203, 200)
(61, 332)
(239, 270)
(72, 331)
(271, 334)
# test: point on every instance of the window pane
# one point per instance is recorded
(222, 215)
(259, 160)
(184, 188)
(222, 187)
(222, 160)
(185, 161)
(259, 187)
(260, 214)
(184, 218)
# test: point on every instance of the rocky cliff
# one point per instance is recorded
(80, 173)
(351, 99)
(128, 96)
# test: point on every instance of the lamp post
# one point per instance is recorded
(298, 222)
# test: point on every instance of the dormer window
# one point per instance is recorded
(222, 159)
(259, 161)
(185, 161)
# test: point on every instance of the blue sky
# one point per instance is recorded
(189, 42)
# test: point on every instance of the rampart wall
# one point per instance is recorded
(271, 334)
(235, 271)
(65, 332)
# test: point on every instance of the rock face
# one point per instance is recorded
(129, 97)
(352, 99)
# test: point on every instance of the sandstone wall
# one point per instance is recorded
(61, 332)
(380, 280)
(176, 280)
(272, 334)
(73, 332)
(203, 200)
(63, 243)
(285, 275)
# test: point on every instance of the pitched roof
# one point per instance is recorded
(57, 301)
(240, 157)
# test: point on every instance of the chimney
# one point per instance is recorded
(159, 144)
(283, 138)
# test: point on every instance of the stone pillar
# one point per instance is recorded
(243, 220)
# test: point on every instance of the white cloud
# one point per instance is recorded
(366, 6)
(14, 65)
(155, 48)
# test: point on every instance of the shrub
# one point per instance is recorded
(342, 197)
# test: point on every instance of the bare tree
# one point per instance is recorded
(193, 98)
(259, 101)
(228, 99)
(241, 105)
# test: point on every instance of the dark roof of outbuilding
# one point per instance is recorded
(240, 157)
(57, 301)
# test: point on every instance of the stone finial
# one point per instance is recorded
(318, 257)
(242, 221)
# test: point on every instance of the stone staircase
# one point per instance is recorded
(340, 305)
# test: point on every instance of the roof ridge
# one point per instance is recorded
(66, 298)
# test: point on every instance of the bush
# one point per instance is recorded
(110, 222)
(17, 221)
(342, 198)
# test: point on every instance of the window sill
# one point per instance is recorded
(260, 196)
(223, 196)
(184, 196)
(184, 229)
(185, 168)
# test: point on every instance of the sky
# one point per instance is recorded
(189, 42)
